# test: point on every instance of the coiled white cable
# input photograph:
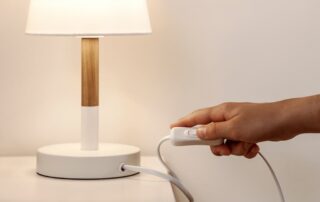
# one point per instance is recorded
(172, 177)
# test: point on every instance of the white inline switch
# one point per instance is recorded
(182, 136)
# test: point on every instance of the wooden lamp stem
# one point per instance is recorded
(90, 72)
(90, 93)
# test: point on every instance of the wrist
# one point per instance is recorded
(301, 115)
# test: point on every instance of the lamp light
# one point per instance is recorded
(89, 20)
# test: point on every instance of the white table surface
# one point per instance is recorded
(19, 182)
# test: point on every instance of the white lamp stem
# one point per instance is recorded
(90, 128)
(90, 94)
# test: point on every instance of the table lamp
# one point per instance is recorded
(89, 20)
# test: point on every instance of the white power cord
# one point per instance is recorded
(274, 177)
(172, 177)
(183, 189)
(166, 138)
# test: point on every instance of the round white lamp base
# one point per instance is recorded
(70, 162)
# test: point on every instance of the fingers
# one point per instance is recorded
(239, 148)
(214, 131)
(200, 117)
(247, 150)
(253, 152)
(221, 150)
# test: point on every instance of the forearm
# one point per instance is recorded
(301, 115)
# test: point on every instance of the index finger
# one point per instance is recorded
(201, 117)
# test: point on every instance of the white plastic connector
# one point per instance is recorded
(182, 136)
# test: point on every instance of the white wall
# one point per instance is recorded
(202, 53)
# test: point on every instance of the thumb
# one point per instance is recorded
(213, 131)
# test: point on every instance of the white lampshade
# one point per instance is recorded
(88, 17)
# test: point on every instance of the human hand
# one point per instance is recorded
(246, 124)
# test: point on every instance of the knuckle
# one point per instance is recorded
(224, 105)
(237, 152)
(195, 111)
(240, 149)
(247, 147)
(199, 110)
(232, 107)
(228, 106)
(210, 131)
(233, 133)
(190, 119)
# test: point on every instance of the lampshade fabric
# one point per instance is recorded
(88, 17)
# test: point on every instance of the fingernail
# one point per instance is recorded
(201, 132)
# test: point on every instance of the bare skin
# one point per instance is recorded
(244, 125)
